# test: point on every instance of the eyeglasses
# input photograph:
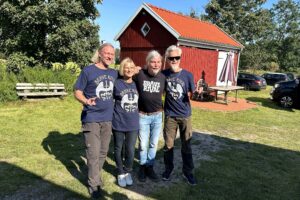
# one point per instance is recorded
(174, 58)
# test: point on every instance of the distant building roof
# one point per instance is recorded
(189, 31)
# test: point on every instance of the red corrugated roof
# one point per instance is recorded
(194, 29)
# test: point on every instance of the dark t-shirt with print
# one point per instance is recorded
(177, 103)
(126, 113)
(95, 82)
(150, 90)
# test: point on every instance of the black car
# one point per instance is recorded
(251, 81)
(273, 78)
(287, 93)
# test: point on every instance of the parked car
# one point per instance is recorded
(287, 93)
(273, 78)
(251, 81)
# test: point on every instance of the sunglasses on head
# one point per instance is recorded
(174, 58)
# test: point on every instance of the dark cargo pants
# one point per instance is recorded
(170, 130)
(97, 138)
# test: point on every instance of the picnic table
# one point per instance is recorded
(225, 89)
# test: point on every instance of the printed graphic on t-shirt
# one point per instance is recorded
(104, 90)
(151, 86)
(129, 100)
(175, 88)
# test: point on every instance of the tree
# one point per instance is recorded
(286, 37)
(52, 31)
(245, 20)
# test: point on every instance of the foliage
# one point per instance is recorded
(37, 74)
(18, 61)
(286, 37)
(58, 30)
(244, 20)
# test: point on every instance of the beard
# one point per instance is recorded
(174, 68)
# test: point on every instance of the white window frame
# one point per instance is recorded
(142, 29)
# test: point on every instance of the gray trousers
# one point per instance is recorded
(97, 138)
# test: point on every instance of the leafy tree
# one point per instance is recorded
(245, 20)
(286, 37)
(56, 30)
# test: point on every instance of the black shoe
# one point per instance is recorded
(95, 192)
(166, 176)
(151, 173)
(142, 174)
(190, 178)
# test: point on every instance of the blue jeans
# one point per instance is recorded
(126, 139)
(150, 129)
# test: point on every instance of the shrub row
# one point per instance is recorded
(67, 75)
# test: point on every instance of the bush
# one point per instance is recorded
(17, 62)
(38, 74)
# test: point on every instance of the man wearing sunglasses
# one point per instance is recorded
(180, 86)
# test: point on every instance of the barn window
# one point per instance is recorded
(145, 29)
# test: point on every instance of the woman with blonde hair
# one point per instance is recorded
(125, 123)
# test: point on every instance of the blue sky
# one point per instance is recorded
(114, 14)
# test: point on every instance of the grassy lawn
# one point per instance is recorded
(42, 153)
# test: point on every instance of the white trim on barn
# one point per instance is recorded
(206, 45)
(153, 14)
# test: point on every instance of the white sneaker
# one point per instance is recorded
(128, 179)
(122, 180)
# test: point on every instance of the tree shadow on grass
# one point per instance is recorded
(268, 103)
(19, 184)
(241, 170)
(225, 169)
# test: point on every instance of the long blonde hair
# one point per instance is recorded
(96, 59)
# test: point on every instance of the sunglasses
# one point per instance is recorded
(174, 58)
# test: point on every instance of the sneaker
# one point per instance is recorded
(166, 175)
(190, 178)
(122, 180)
(151, 173)
(142, 175)
(95, 192)
(128, 179)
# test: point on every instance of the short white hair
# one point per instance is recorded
(153, 54)
(173, 48)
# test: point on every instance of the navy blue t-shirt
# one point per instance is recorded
(95, 82)
(177, 102)
(126, 113)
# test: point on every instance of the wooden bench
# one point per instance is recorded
(25, 90)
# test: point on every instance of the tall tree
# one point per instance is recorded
(286, 37)
(51, 30)
(245, 20)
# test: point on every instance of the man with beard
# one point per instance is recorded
(180, 86)
(94, 89)
(150, 84)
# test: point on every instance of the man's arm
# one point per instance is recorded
(82, 99)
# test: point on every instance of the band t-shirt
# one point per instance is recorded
(126, 113)
(96, 82)
(177, 103)
(150, 90)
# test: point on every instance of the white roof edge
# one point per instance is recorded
(153, 14)
(206, 44)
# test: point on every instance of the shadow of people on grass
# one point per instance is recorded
(69, 149)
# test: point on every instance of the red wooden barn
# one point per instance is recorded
(204, 45)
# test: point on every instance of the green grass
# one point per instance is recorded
(41, 147)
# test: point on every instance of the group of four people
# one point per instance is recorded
(131, 106)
